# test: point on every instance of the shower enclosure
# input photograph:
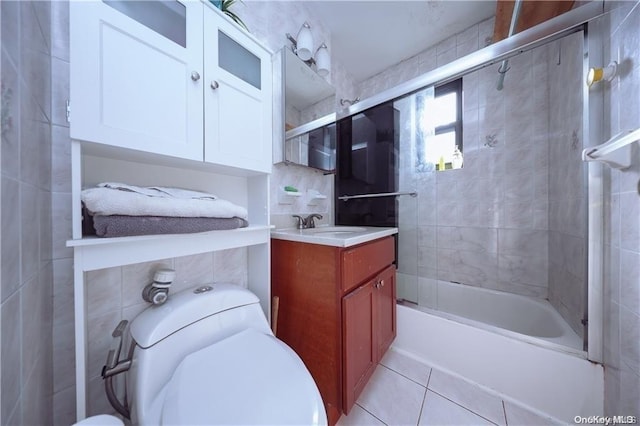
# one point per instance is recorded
(498, 232)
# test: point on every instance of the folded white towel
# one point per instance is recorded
(159, 191)
(107, 201)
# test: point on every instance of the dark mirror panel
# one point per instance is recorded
(368, 146)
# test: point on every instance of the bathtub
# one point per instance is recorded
(517, 347)
(506, 313)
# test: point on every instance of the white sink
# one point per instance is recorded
(334, 230)
(337, 236)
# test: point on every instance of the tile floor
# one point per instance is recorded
(404, 391)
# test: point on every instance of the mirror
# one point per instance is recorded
(309, 115)
(316, 148)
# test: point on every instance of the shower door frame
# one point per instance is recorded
(568, 23)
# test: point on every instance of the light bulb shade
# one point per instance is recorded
(304, 43)
(323, 60)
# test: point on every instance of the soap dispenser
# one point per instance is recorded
(456, 159)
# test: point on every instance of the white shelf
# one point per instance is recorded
(287, 197)
(314, 197)
(98, 253)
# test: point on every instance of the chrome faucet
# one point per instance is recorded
(302, 222)
(307, 222)
(310, 222)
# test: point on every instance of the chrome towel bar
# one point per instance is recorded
(380, 194)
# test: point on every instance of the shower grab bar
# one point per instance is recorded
(380, 194)
(616, 152)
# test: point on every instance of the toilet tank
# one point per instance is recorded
(189, 321)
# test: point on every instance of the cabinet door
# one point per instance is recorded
(385, 291)
(135, 70)
(359, 341)
(237, 97)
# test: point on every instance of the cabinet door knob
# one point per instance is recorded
(214, 85)
(195, 76)
(381, 283)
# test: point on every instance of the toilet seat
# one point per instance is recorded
(248, 378)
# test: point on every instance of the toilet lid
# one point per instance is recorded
(248, 378)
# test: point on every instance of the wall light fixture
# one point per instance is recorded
(303, 48)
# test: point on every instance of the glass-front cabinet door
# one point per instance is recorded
(237, 97)
(137, 75)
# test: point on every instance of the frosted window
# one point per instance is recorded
(168, 18)
(238, 61)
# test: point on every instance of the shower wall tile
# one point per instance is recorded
(467, 238)
(630, 340)
(468, 267)
(407, 287)
(427, 292)
(407, 251)
(622, 316)
(470, 131)
(630, 222)
(527, 270)
(630, 281)
(522, 242)
(427, 236)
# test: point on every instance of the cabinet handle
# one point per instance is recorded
(214, 85)
(195, 76)
(381, 283)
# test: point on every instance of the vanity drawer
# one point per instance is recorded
(362, 262)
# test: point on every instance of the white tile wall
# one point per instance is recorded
(622, 208)
(26, 250)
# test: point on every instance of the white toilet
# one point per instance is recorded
(208, 356)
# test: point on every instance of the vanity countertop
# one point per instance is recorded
(337, 236)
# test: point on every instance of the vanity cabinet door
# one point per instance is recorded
(237, 97)
(360, 351)
(385, 290)
(136, 75)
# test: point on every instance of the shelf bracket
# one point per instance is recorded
(616, 152)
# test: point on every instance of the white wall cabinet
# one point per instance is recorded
(132, 86)
(170, 78)
(238, 97)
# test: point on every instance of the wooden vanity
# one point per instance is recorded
(337, 311)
